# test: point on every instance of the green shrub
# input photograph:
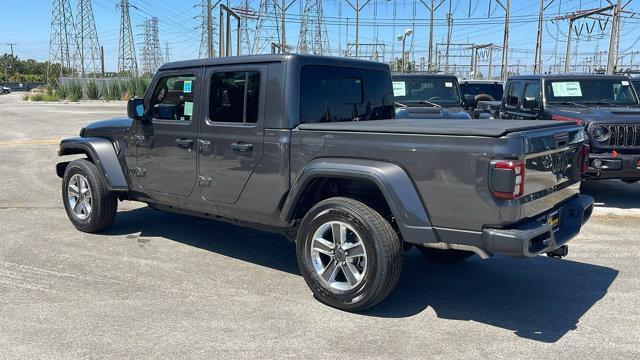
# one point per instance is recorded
(52, 97)
(115, 92)
(63, 91)
(92, 90)
(37, 97)
(50, 90)
(25, 97)
(75, 91)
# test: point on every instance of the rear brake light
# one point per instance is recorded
(584, 153)
(507, 179)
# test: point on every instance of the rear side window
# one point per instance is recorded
(515, 91)
(173, 98)
(332, 94)
(235, 97)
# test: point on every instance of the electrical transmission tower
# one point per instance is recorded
(126, 52)
(151, 53)
(267, 27)
(313, 37)
(208, 32)
(88, 56)
(246, 13)
(62, 45)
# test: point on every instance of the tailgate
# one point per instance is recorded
(552, 159)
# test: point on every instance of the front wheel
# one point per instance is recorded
(89, 205)
(348, 254)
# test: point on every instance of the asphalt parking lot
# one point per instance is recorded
(160, 285)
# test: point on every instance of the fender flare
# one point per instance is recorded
(102, 153)
(394, 183)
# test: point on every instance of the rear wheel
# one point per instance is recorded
(445, 256)
(88, 203)
(348, 254)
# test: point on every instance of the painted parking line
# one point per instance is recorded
(30, 142)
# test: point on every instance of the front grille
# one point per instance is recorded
(624, 136)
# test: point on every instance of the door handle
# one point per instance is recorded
(242, 147)
(185, 143)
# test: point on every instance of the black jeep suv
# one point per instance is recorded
(606, 105)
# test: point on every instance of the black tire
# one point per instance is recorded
(104, 203)
(381, 244)
(445, 256)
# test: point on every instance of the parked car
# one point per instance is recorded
(607, 107)
(421, 95)
(5, 90)
(636, 84)
(482, 90)
(308, 146)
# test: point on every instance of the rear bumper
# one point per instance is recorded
(535, 236)
(608, 166)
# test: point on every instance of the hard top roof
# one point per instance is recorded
(252, 59)
(567, 76)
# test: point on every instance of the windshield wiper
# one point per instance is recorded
(401, 104)
(566, 102)
(603, 102)
(427, 102)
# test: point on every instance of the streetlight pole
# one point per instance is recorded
(403, 38)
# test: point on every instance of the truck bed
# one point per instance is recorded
(486, 128)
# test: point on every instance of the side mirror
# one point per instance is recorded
(530, 102)
(135, 109)
(469, 101)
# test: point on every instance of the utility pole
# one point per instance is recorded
(102, 61)
(538, 57)
(505, 42)
(614, 41)
(357, 8)
(446, 51)
(13, 60)
(432, 8)
(490, 72)
(209, 29)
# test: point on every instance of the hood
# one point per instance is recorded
(600, 115)
(424, 112)
(113, 129)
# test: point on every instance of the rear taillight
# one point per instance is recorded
(507, 179)
(584, 157)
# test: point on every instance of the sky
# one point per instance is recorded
(28, 23)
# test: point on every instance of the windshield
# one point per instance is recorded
(590, 91)
(494, 89)
(426, 90)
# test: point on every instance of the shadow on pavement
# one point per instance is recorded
(540, 298)
(613, 193)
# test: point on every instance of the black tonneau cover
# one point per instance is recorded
(488, 128)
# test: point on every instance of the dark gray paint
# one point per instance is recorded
(103, 154)
(391, 179)
(436, 183)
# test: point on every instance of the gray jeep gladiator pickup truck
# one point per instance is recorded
(308, 146)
